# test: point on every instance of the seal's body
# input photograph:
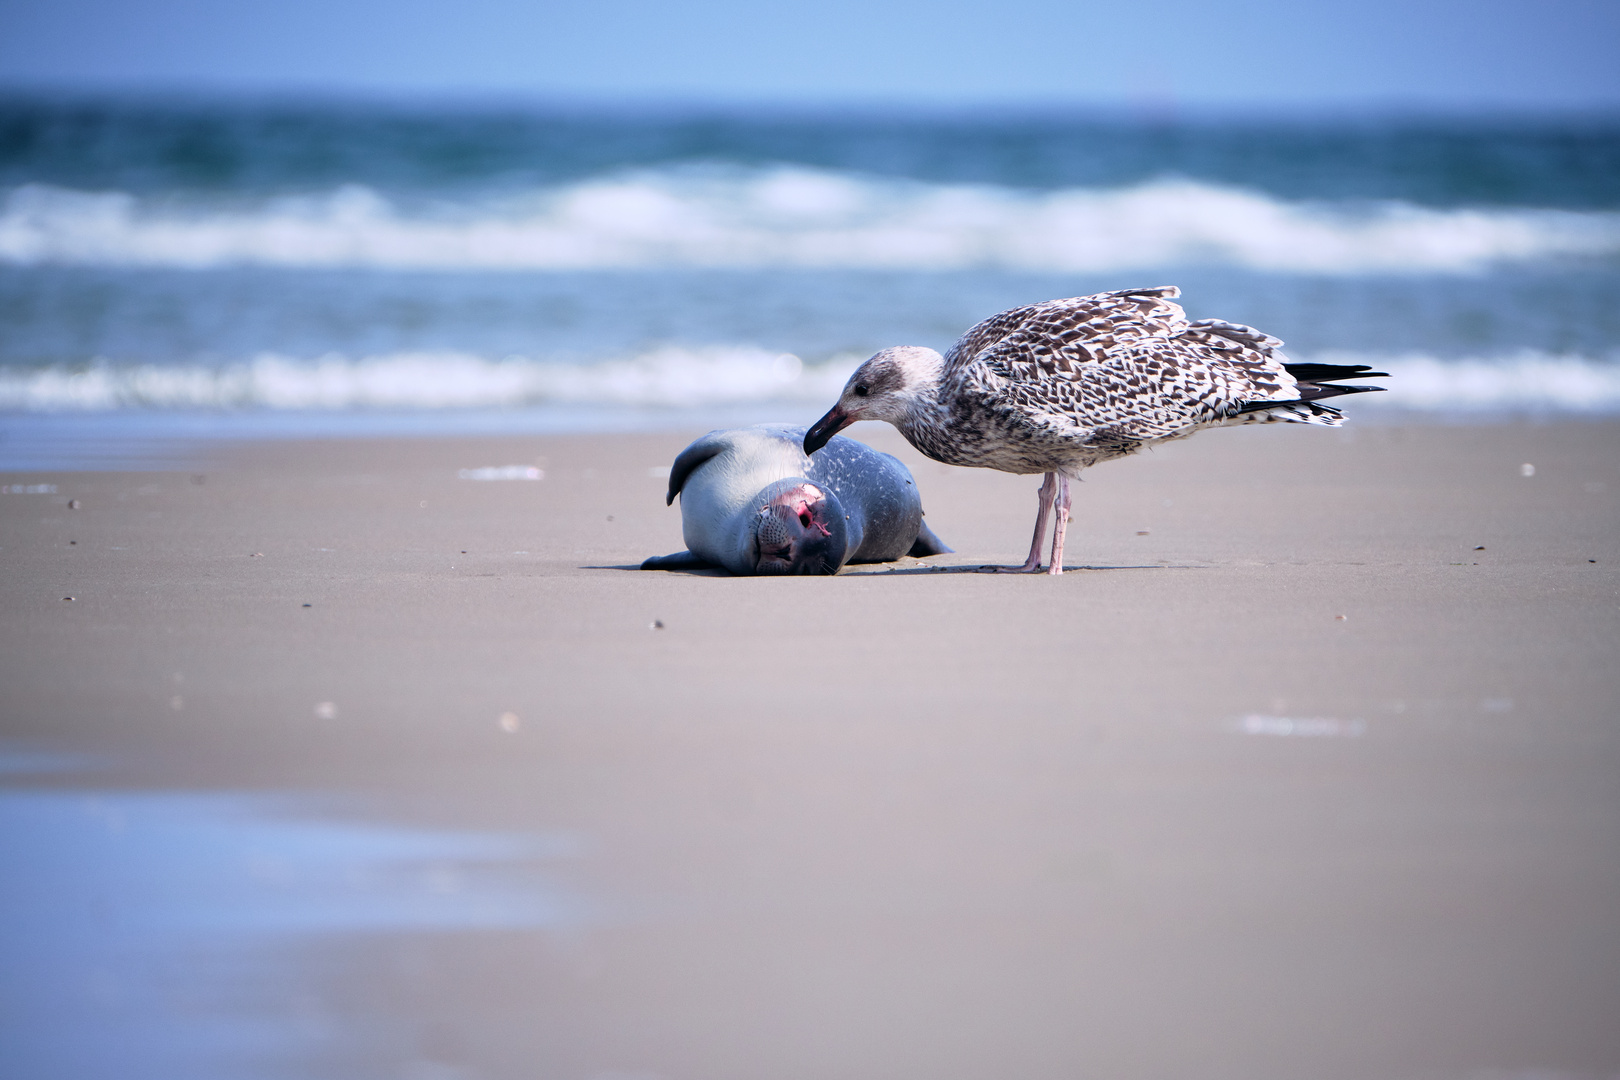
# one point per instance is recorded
(754, 502)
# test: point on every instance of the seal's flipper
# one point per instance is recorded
(928, 544)
(681, 560)
(715, 442)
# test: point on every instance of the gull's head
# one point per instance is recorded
(886, 387)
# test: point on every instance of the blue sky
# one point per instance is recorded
(1546, 54)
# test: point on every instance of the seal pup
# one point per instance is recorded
(753, 502)
(1057, 387)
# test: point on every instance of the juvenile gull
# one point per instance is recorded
(1056, 387)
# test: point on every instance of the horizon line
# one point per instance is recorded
(179, 93)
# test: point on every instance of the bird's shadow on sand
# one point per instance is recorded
(880, 570)
(989, 568)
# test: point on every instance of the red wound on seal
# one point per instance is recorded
(807, 519)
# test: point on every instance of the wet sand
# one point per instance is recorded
(1311, 769)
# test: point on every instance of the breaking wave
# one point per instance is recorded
(1526, 382)
(676, 377)
(794, 217)
(668, 377)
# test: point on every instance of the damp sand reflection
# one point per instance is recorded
(180, 934)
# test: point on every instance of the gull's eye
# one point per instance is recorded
(861, 390)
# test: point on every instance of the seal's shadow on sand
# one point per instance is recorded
(702, 571)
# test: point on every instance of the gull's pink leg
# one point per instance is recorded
(1048, 492)
(1061, 527)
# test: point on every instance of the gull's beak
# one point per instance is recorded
(835, 421)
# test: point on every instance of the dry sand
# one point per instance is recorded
(1313, 772)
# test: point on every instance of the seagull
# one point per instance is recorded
(1057, 387)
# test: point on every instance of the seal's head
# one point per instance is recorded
(798, 528)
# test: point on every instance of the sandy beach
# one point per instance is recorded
(1311, 768)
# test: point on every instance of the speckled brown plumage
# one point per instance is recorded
(1063, 385)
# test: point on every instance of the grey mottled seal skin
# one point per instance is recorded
(753, 502)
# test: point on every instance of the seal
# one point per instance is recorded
(753, 502)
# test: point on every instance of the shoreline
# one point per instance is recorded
(157, 440)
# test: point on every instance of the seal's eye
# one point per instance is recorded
(861, 390)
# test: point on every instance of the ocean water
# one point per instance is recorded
(172, 266)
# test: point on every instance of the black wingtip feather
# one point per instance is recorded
(1312, 394)
(1318, 391)
(1329, 372)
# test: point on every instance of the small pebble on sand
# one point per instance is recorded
(656, 624)
(509, 722)
(1341, 618)
(1527, 469)
(325, 710)
(74, 504)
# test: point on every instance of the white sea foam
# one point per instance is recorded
(795, 217)
(668, 377)
(1525, 382)
(1310, 727)
(703, 377)
(503, 472)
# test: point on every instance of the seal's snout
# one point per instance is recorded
(798, 529)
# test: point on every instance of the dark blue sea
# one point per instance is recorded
(183, 266)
